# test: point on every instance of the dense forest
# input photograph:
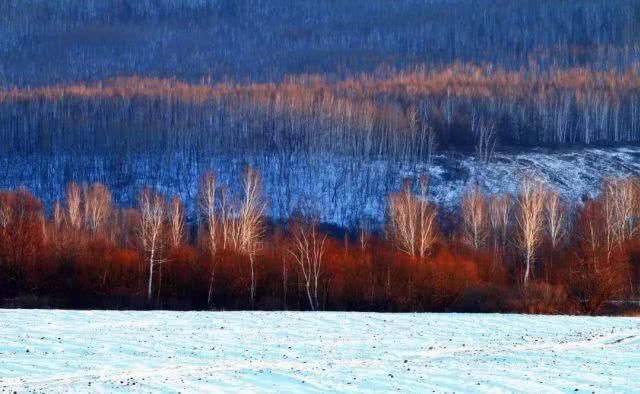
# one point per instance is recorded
(400, 116)
(532, 252)
(264, 40)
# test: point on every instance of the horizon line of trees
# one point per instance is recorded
(399, 115)
(530, 252)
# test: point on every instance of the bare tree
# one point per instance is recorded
(474, 218)
(555, 218)
(401, 220)
(208, 212)
(486, 137)
(620, 204)
(229, 223)
(6, 211)
(531, 222)
(150, 230)
(500, 209)
(97, 206)
(555, 211)
(412, 220)
(428, 143)
(308, 252)
(74, 204)
(250, 221)
(58, 216)
(176, 222)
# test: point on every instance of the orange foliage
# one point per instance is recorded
(67, 266)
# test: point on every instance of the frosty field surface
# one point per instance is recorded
(107, 351)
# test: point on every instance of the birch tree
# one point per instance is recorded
(620, 204)
(251, 222)
(474, 218)
(555, 218)
(177, 222)
(150, 231)
(308, 248)
(500, 209)
(486, 136)
(74, 203)
(412, 220)
(97, 206)
(530, 222)
(207, 204)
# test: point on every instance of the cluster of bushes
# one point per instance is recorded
(533, 252)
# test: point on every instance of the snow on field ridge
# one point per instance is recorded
(111, 351)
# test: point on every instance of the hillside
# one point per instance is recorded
(342, 190)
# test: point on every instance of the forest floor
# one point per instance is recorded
(116, 351)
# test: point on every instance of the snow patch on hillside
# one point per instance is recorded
(343, 190)
(573, 173)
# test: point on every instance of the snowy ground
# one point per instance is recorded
(75, 351)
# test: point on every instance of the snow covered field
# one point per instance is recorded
(106, 351)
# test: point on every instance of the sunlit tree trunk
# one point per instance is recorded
(177, 222)
(97, 206)
(251, 227)
(150, 231)
(209, 214)
(474, 218)
(412, 220)
(531, 222)
(308, 247)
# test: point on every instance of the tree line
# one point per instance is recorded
(399, 115)
(529, 252)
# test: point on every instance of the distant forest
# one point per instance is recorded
(400, 115)
(66, 41)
